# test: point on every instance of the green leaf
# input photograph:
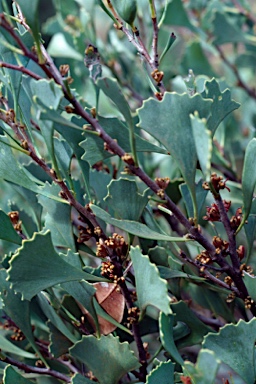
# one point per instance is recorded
(112, 89)
(59, 47)
(110, 353)
(83, 292)
(94, 147)
(99, 182)
(124, 198)
(11, 375)
(63, 154)
(226, 31)
(133, 227)
(49, 94)
(197, 328)
(7, 346)
(248, 178)
(205, 368)
(200, 198)
(73, 135)
(7, 232)
(151, 288)
(57, 218)
(166, 335)
(12, 170)
(36, 266)
(59, 343)
(47, 91)
(222, 104)
(127, 9)
(158, 256)
(196, 59)
(30, 13)
(250, 229)
(163, 373)
(176, 15)
(207, 298)
(79, 379)
(18, 310)
(169, 122)
(54, 318)
(203, 142)
(234, 345)
(167, 273)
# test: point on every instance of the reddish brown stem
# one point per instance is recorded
(40, 371)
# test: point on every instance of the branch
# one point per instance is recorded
(208, 275)
(155, 32)
(20, 68)
(230, 233)
(31, 369)
(136, 335)
(215, 323)
(51, 71)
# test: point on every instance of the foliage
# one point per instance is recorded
(127, 178)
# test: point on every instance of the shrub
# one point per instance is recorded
(127, 192)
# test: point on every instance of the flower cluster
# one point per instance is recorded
(116, 242)
(134, 314)
(212, 212)
(236, 220)
(220, 245)
(15, 219)
(217, 183)
(111, 272)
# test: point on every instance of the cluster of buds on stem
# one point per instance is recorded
(217, 183)
(228, 281)
(248, 301)
(246, 268)
(212, 212)
(64, 70)
(236, 220)
(16, 222)
(111, 272)
(128, 159)
(240, 252)
(162, 182)
(157, 75)
(204, 259)
(17, 334)
(133, 316)
(231, 297)
(101, 167)
(85, 234)
(116, 243)
(220, 245)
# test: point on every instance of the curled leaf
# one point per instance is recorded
(112, 301)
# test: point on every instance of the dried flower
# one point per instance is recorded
(162, 182)
(212, 213)
(217, 183)
(157, 75)
(236, 220)
(240, 252)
